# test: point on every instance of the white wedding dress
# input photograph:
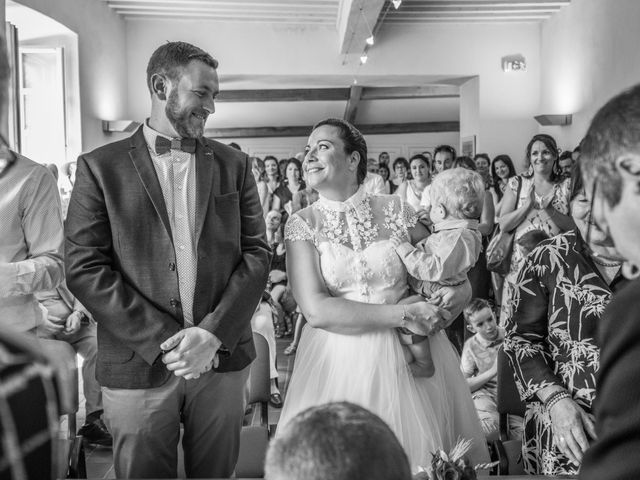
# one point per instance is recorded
(358, 263)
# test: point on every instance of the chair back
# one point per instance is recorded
(255, 438)
(509, 450)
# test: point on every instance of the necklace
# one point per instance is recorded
(605, 264)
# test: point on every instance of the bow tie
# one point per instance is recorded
(163, 145)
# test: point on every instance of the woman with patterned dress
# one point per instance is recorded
(542, 204)
(349, 281)
(560, 295)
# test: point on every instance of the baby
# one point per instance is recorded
(444, 257)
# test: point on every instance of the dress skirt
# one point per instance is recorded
(370, 370)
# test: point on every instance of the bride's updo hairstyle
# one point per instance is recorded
(353, 142)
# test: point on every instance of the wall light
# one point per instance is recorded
(396, 3)
(514, 63)
(363, 58)
(119, 125)
(546, 120)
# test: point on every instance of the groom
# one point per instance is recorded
(165, 246)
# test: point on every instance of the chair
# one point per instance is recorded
(508, 450)
(71, 449)
(254, 438)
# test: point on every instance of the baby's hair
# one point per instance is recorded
(476, 305)
(532, 238)
(461, 191)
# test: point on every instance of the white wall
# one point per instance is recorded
(449, 50)
(590, 52)
(102, 59)
(469, 111)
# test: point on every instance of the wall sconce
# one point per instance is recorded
(110, 126)
(546, 120)
(514, 63)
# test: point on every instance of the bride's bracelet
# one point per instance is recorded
(404, 321)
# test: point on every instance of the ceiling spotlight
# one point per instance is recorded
(396, 3)
(363, 58)
(369, 40)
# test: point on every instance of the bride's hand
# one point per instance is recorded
(422, 318)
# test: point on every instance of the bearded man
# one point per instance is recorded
(166, 248)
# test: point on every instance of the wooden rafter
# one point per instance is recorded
(366, 129)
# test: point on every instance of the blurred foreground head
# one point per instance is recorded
(337, 441)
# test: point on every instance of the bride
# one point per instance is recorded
(348, 281)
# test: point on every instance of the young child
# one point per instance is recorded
(444, 257)
(479, 360)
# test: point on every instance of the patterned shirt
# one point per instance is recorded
(558, 302)
(177, 177)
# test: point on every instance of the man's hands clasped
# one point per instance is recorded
(191, 352)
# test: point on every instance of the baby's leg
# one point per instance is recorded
(422, 365)
(417, 353)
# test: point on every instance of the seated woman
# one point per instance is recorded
(401, 173)
(293, 183)
(562, 290)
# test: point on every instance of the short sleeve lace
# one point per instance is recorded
(297, 230)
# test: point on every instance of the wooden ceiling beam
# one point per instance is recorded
(351, 110)
(337, 94)
(397, 93)
(285, 95)
(356, 22)
(366, 129)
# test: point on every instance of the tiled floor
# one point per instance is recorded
(100, 460)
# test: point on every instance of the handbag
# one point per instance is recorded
(500, 247)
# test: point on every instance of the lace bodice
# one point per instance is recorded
(357, 260)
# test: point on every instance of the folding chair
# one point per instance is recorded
(508, 450)
(254, 438)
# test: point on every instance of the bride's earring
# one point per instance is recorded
(630, 271)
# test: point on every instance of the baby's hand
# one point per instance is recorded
(396, 241)
(436, 298)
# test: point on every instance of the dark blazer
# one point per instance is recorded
(120, 259)
(615, 453)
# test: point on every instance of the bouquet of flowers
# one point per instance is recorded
(452, 465)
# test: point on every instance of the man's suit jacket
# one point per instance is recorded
(121, 264)
(615, 453)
